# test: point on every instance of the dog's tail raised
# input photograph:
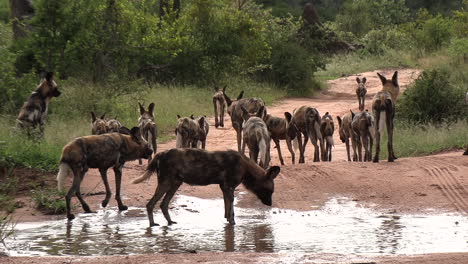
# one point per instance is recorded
(64, 171)
(153, 167)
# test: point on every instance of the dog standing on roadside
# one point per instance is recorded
(148, 128)
(219, 104)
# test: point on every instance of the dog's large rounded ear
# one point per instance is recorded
(201, 122)
(261, 112)
(395, 78)
(272, 172)
(224, 88)
(135, 133)
(227, 99)
(240, 95)
(358, 80)
(93, 116)
(245, 113)
(103, 116)
(364, 80)
(339, 120)
(178, 116)
(191, 116)
(151, 109)
(142, 109)
(382, 78)
(352, 114)
(288, 116)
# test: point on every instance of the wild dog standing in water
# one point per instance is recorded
(280, 129)
(346, 133)
(234, 110)
(33, 113)
(383, 108)
(327, 128)
(361, 92)
(203, 124)
(256, 136)
(189, 132)
(219, 104)
(148, 128)
(102, 152)
(98, 125)
(200, 167)
(307, 121)
(362, 126)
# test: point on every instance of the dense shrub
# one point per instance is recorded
(432, 98)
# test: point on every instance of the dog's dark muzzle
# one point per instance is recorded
(56, 93)
(147, 153)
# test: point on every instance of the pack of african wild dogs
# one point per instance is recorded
(111, 144)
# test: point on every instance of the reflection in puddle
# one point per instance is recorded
(341, 226)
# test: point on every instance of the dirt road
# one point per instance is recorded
(408, 185)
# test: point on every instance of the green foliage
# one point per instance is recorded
(49, 201)
(4, 11)
(432, 98)
(8, 187)
(7, 227)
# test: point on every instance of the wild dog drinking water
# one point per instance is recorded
(200, 167)
(148, 128)
(102, 152)
(219, 105)
(33, 113)
(307, 121)
(234, 110)
(280, 129)
(203, 124)
(190, 132)
(256, 136)
(383, 108)
(346, 133)
(361, 92)
(362, 125)
(327, 128)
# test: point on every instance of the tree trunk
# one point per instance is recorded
(21, 10)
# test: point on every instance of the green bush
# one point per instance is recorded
(49, 201)
(432, 98)
(4, 11)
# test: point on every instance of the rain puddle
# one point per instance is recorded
(341, 227)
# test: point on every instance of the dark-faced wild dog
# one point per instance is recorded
(346, 133)
(252, 105)
(203, 124)
(361, 92)
(362, 125)
(327, 128)
(307, 121)
(190, 132)
(256, 137)
(219, 104)
(98, 124)
(200, 167)
(104, 151)
(280, 129)
(148, 128)
(33, 113)
(383, 108)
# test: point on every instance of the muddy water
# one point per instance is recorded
(341, 226)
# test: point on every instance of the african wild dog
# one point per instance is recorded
(101, 152)
(346, 133)
(361, 92)
(256, 136)
(362, 126)
(148, 128)
(98, 124)
(189, 132)
(234, 110)
(307, 122)
(280, 129)
(200, 167)
(327, 128)
(219, 104)
(201, 121)
(383, 108)
(33, 113)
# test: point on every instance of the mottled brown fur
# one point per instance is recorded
(189, 132)
(200, 167)
(327, 128)
(203, 124)
(346, 133)
(307, 121)
(219, 104)
(148, 128)
(256, 137)
(98, 124)
(280, 129)
(101, 152)
(362, 126)
(361, 92)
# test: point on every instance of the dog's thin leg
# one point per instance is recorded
(277, 143)
(71, 192)
(225, 198)
(301, 153)
(106, 185)
(215, 102)
(291, 150)
(239, 140)
(118, 181)
(377, 136)
(354, 145)
(389, 121)
(230, 197)
(222, 114)
(80, 198)
(160, 191)
(165, 202)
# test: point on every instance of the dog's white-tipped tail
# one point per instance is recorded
(329, 140)
(143, 177)
(64, 171)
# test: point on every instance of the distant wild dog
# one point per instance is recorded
(361, 92)
(307, 121)
(148, 128)
(101, 152)
(256, 136)
(203, 123)
(383, 108)
(219, 104)
(200, 167)
(363, 125)
(33, 113)
(327, 128)
(252, 105)
(189, 132)
(280, 129)
(98, 124)
(346, 133)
